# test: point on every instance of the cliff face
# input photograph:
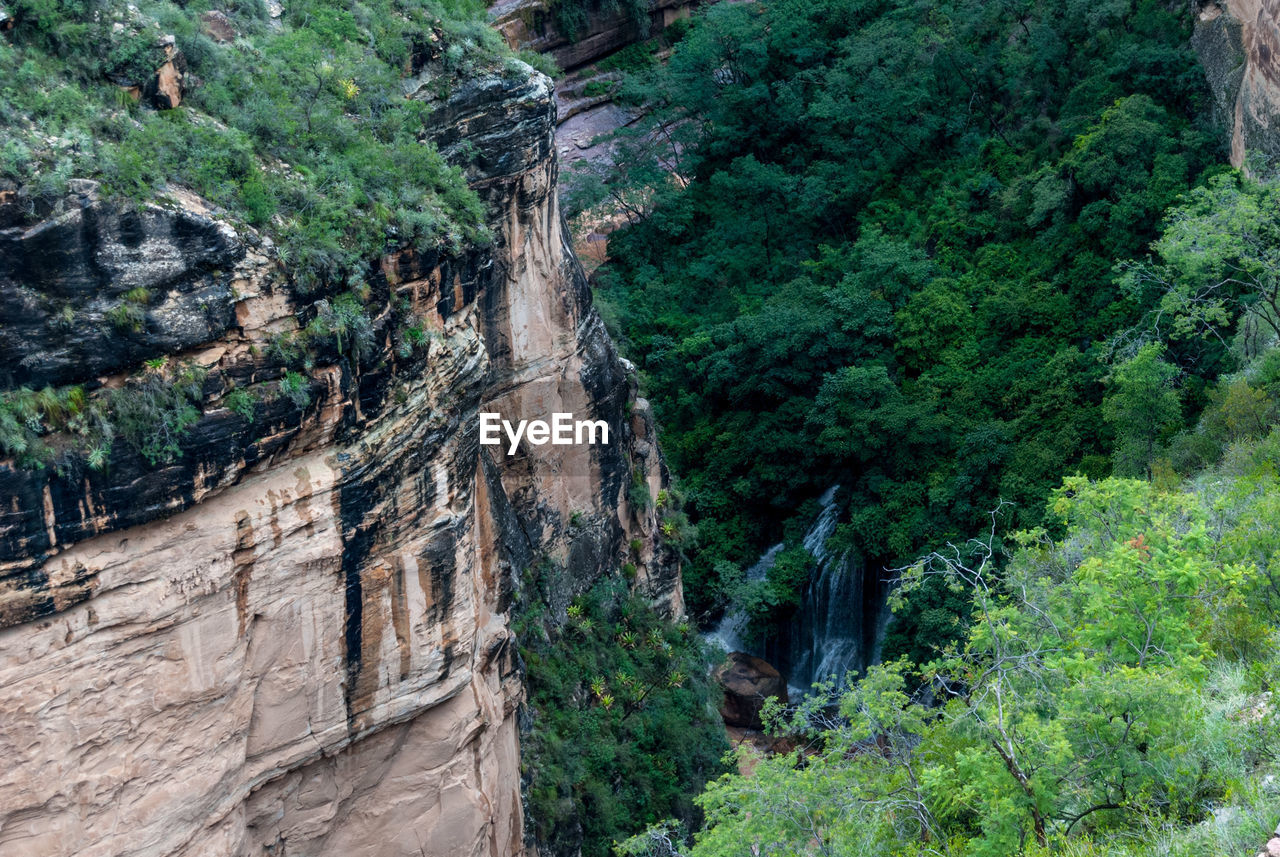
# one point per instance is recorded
(293, 639)
(531, 24)
(1239, 45)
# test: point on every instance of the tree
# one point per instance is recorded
(1143, 408)
(1075, 708)
(1219, 260)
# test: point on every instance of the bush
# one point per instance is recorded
(241, 402)
(154, 412)
(295, 387)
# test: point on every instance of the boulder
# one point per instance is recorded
(218, 26)
(165, 88)
(747, 682)
(164, 91)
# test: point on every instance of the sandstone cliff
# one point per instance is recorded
(293, 640)
(1239, 45)
(531, 24)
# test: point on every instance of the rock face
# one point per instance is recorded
(65, 275)
(293, 639)
(609, 27)
(747, 682)
(1239, 45)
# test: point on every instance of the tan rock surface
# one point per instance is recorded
(300, 646)
(1239, 44)
(531, 24)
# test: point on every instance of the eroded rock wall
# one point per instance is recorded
(608, 27)
(293, 640)
(1238, 42)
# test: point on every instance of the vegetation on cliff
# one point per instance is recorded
(624, 728)
(297, 125)
(573, 17)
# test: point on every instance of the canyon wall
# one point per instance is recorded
(293, 639)
(1238, 42)
(531, 24)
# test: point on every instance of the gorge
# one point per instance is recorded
(273, 580)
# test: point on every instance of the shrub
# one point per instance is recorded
(295, 387)
(154, 412)
(242, 402)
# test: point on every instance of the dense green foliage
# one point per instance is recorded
(624, 727)
(1100, 680)
(946, 254)
(301, 129)
(1111, 696)
(893, 264)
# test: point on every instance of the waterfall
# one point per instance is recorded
(728, 634)
(843, 616)
(841, 619)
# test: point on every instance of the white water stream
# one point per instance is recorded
(829, 635)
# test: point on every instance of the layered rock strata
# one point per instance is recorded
(293, 639)
(1238, 42)
(531, 24)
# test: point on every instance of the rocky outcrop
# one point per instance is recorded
(1238, 42)
(66, 274)
(747, 681)
(1272, 848)
(293, 639)
(218, 26)
(609, 27)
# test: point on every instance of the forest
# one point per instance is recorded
(984, 266)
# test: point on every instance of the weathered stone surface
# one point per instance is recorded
(530, 24)
(1238, 42)
(61, 278)
(747, 682)
(218, 26)
(293, 640)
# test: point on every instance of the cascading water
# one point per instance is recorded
(840, 622)
(842, 618)
(728, 635)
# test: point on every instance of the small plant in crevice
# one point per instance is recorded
(130, 315)
(152, 413)
(342, 324)
(295, 387)
(242, 402)
(412, 335)
(638, 494)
